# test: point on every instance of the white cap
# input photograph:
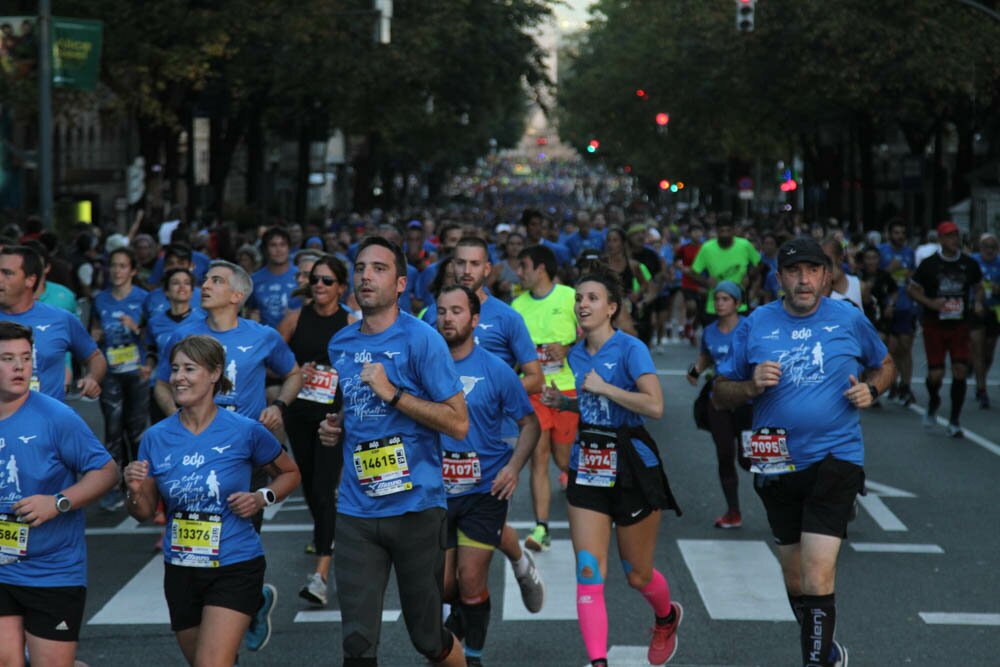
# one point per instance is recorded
(114, 242)
(501, 228)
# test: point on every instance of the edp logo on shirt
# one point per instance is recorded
(193, 460)
(364, 357)
(802, 334)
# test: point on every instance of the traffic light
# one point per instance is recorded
(640, 93)
(662, 119)
(593, 146)
(664, 184)
(745, 15)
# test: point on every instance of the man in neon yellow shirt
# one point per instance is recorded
(548, 313)
(726, 257)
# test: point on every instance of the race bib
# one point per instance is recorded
(952, 309)
(461, 471)
(35, 384)
(901, 276)
(319, 384)
(549, 365)
(767, 449)
(382, 467)
(195, 538)
(987, 290)
(13, 539)
(123, 359)
(597, 464)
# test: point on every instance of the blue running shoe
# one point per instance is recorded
(259, 632)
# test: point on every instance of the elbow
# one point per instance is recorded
(460, 429)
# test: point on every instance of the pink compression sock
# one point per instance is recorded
(593, 619)
(657, 593)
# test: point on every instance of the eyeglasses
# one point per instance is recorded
(329, 281)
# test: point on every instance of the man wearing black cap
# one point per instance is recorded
(796, 359)
(942, 284)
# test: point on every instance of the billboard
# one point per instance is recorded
(76, 50)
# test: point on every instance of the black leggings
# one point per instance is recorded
(726, 427)
(320, 467)
(124, 401)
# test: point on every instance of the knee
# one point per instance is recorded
(637, 579)
(588, 568)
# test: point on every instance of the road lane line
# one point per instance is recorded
(529, 525)
(557, 567)
(882, 515)
(139, 602)
(889, 548)
(635, 656)
(945, 618)
(886, 491)
(739, 580)
(333, 616)
(971, 436)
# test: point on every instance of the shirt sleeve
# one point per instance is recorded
(873, 350)
(698, 265)
(77, 445)
(80, 342)
(514, 398)
(736, 366)
(163, 366)
(265, 447)
(520, 340)
(638, 361)
(281, 359)
(922, 276)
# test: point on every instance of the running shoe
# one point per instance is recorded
(930, 420)
(311, 549)
(893, 391)
(984, 400)
(906, 398)
(955, 431)
(532, 588)
(539, 540)
(731, 519)
(259, 632)
(314, 591)
(838, 654)
(563, 480)
(663, 646)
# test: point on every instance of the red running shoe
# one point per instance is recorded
(663, 646)
(731, 519)
(563, 480)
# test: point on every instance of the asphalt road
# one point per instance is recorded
(917, 584)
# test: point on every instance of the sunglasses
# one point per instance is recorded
(329, 281)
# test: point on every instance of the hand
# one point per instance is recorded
(135, 473)
(129, 323)
(88, 387)
(766, 374)
(858, 394)
(936, 304)
(330, 431)
(245, 504)
(270, 417)
(556, 351)
(36, 510)
(551, 396)
(373, 375)
(145, 372)
(692, 380)
(595, 384)
(504, 483)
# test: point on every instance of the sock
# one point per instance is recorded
(455, 623)
(820, 618)
(935, 402)
(601, 662)
(593, 618)
(796, 603)
(657, 594)
(476, 618)
(958, 388)
(520, 565)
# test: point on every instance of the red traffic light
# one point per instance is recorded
(662, 119)
(664, 184)
(640, 92)
(789, 185)
(593, 146)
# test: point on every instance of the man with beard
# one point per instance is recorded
(480, 471)
(726, 257)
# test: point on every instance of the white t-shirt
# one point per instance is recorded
(924, 251)
(853, 292)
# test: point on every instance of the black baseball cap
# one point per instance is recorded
(802, 250)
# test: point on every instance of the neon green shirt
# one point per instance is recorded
(725, 264)
(551, 319)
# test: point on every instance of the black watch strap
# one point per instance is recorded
(873, 390)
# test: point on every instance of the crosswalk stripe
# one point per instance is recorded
(139, 602)
(334, 616)
(889, 548)
(881, 513)
(944, 618)
(738, 580)
(557, 567)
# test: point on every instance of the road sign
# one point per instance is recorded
(744, 183)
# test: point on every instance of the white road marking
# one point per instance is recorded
(333, 616)
(886, 491)
(557, 567)
(720, 569)
(971, 436)
(889, 548)
(945, 618)
(882, 515)
(139, 602)
(528, 525)
(635, 656)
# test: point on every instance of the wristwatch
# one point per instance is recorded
(269, 497)
(873, 390)
(281, 405)
(63, 504)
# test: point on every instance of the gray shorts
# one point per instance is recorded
(414, 545)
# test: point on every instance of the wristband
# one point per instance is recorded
(396, 396)
(280, 404)
(873, 390)
(694, 372)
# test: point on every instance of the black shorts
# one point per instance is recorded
(50, 612)
(693, 295)
(988, 321)
(478, 516)
(189, 589)
(662, 301)
(818, 499)
(625, 505)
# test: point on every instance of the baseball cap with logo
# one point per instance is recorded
(947, 227)
(802, 250)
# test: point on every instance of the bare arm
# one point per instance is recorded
(728, 394)
(272, 416)
(164, 398)
(287, 326)
(90, 384)
(532, 378)
(284, 476)
(36, 510)
(647, 401)
(450, 416)
(506, 480)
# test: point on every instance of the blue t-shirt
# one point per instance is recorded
(908, 261)
(251, 349)
(199, 259)
(817, 354)
(406, 296)
(620, 362)
(45, 446)
(161, 326)
(493, 394)
(196, 473)
(503, 332)
(991, 280)
(157, 302)
(422, 287)
(576, 243)
(716, 344)
(415, 358)
(56, 332)
(125, 351)
(562, 253)
(272, 295)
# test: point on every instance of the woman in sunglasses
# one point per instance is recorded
(308, 332)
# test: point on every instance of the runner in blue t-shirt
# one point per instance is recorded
(56, 331)
(900, 261)
(616, 476)
(986, 328)
(502, 331)
(400, 392)
(726, 426)
(44, 449)
(175, 256)
(800, 360)
(273, 285)
(480, 471)
(199, 462)
(182, 308)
